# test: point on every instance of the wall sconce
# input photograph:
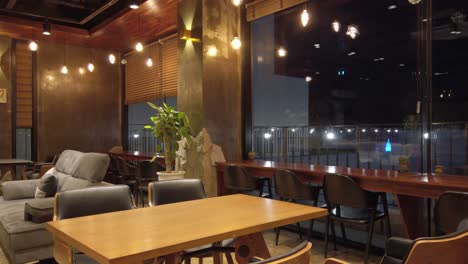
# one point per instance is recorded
(187, 35)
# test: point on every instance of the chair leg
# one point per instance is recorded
(299, 230)
(270, 192)
(333, 233)
(277, 234)
(311, 230)
(327, 229)
(370, 232)
(229, 258)
(388, 230)
(343, 232)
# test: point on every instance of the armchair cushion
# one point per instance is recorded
(15, 190)
(39, 210)
(91, 167)
(47, 186)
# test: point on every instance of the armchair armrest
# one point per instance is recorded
(15, 190)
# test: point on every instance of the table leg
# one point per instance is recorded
(62, 252)
(249, 246)
(412, 211)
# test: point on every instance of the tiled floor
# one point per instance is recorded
(287, 241)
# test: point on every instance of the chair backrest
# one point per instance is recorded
(450, 209)
(289, 186)
(166, 192)
(91, 201)
(298, 255)
(148, 169)
(123, 167)
(236, 178)
(343, 190)
(447, 249)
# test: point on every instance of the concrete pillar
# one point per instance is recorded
(209, 87)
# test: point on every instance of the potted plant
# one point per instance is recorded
(169, 126)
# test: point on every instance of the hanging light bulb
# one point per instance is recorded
(33, 45)
(149, 62)
(282, 52)
(90, 67)
(236, 43)
(236, 2)
(336, 26)
(353, 31)
(111, 58)
(305, 18)
(139, 47)
(64, 70)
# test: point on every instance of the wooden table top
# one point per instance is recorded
(134, 235)
(456, 182)
(14, 162)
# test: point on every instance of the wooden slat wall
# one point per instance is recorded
(144, 83)
(260, 8)
(24, 94)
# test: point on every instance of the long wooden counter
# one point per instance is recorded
(410, 189)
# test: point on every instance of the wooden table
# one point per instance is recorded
(410, 189)
(136, 156)
(10, 165)
(135, 235)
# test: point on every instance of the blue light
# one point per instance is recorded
(388, 146)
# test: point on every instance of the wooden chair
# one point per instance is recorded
(298, 255)
(334, 261)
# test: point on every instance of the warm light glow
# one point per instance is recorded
(236, 2)
(123, 61)
(111, 58)
(139, 47)
(149, 62)
(236, 43)
(90, 67)
(282, 52)
(81, 70)
(212, 51)
(33, 45)
(414, 2)
(336, 26)
(305, 18)
(353, 31)
(133, 6)
(64, 70)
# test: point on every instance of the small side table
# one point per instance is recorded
(10, 165)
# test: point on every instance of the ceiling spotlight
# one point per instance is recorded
(414, 2)
(317, 46)
(149, 62)
(90, 67)
(305, 18)
(112, 58)
(46, 30)
(336, 26)
(352, 53)
(133, 5)
(282, 52)
(139, 47)
(123, 61)
(236, 43)
(64, 70)
(236, 2)
(352, 31)
(33, 45)
(391, 7)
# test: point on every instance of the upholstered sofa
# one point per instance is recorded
(25, 241)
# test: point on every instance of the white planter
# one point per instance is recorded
(167, 176)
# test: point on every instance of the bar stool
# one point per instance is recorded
(348, 203)
(237, 179)
(289, 187)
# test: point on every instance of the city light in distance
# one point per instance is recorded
(330, 136)
(267, 135)
(308, 78)
(426, 135)
(312, 130)
(282, 52)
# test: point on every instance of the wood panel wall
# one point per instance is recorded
(5, 109)
(77, 111)
(24, 93)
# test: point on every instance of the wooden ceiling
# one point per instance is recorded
(120, 31)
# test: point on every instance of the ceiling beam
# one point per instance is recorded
(10, 4)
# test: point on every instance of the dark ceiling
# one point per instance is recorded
(84, 14)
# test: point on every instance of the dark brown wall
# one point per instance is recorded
(75, 111)
(5, 109)
(209, 88)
